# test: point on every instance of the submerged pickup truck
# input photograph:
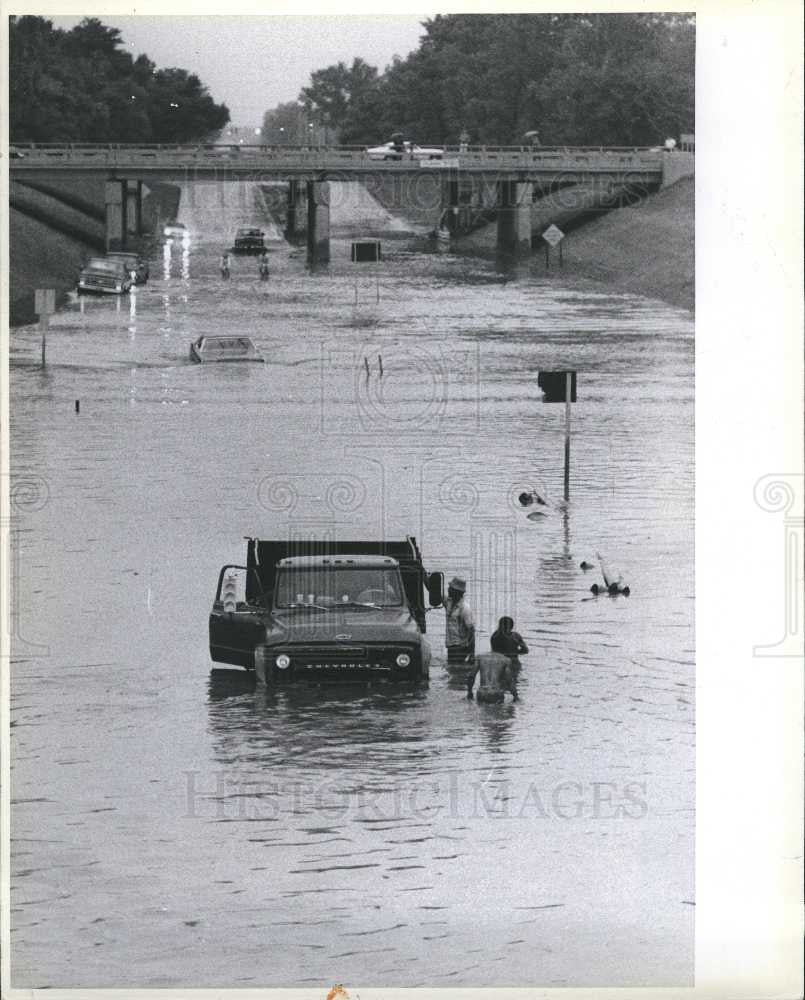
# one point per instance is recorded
(326, 611)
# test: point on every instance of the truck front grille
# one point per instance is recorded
(347, 662)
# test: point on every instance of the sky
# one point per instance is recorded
(252, 64)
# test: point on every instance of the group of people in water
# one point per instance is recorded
(262, 265)
(497, 670)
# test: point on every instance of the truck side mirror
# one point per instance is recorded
(435, 586)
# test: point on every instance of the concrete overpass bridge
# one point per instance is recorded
(515, 174)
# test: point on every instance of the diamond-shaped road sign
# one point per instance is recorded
(553, 235)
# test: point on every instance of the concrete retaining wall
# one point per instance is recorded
(677, 165)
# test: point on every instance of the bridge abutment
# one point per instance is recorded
(514, 200)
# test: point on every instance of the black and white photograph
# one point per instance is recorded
(351, 511)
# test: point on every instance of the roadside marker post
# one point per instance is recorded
(560, 387)
(567, 435)
(44, 305)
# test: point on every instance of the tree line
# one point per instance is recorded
(575, 79)
(82, 86)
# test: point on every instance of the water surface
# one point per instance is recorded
(170, 826)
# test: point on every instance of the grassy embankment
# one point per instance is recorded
(55, 225)
(647, 248)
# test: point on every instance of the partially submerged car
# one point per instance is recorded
(101, 274)
(249, 241)
(404, 150)
(319, 611)
(212, 349)
(174, 228)
(136, 265)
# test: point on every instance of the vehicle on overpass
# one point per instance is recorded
(212, 349)
(100, 274)
(404, 150)
(249, 241)
(303, 611)
(135, 264)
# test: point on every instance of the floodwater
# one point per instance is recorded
(171, 826)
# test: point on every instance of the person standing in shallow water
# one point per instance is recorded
(508, 642)
(459, 634)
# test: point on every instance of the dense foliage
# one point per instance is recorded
(81, 86)
(580, 79)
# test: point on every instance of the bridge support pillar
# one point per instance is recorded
(449, 216)
(514, 200)
(124, 212)
(115, 214)
(295, 216)
(318, 221)
(134, 207)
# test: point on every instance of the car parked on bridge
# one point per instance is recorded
(136, 265)
(404, 151)
(100, 274)
(174, 228)
(248, 240)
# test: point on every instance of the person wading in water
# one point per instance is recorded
(508, 642)
(459, 635)
(497, 677)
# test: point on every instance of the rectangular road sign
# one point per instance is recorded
(44, 301)
(451, 164)
(553, 235)
(553, 386)
(366, 251)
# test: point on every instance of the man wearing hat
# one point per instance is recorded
(459, 633)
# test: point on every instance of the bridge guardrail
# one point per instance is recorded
(132, 156)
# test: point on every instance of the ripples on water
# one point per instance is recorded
(170, 826)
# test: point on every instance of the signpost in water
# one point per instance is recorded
(560, 387)
(44, 305)
(367, 252)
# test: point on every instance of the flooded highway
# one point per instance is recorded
(173, 827)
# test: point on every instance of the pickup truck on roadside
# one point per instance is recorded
(101, 274)
(325, 611)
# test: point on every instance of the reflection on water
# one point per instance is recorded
(172, 826)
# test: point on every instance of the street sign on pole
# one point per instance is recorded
(367, 252)
(560, 387)
(553, 235)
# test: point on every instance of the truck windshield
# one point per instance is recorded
(101, 264)
(330, 587)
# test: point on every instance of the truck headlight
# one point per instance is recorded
(283, 661)
(403, 659)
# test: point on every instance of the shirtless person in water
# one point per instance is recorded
(497, 677)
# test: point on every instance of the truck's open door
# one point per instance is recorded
(236, 624)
